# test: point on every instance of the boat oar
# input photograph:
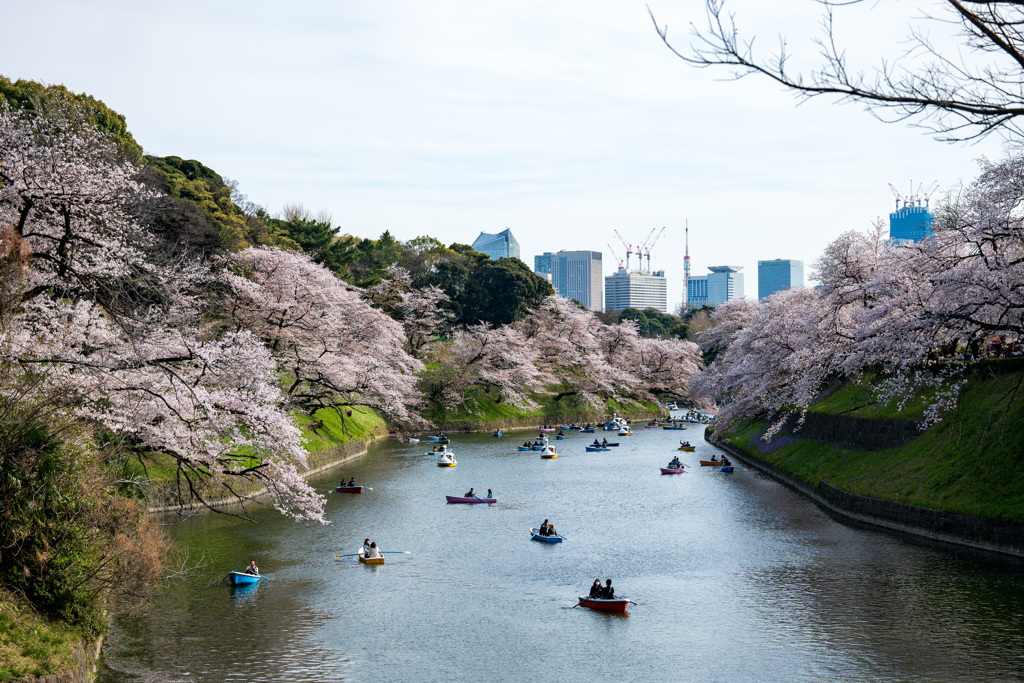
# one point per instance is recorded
(228, 574)
(395, 552)
(349, 555)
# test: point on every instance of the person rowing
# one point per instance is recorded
(252, 568)
(471, 494)
(373, 552)
(604, 443)
(597, 444)
(351, 482)
(608, 592)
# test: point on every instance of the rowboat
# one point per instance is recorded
(349, 489)
(414, 440)
(588, 430)
(575, 428)
(710, 463)
(498, 434)
(368, 560)
(611, 445)
(545, 429)
(674, 428)
(727, 468)
(625, 433)
(612, 605)
(665, 470)
(559, 438)
(688, 449)
(525, 448)
(538, 448)
(595, 449)
(535, 535)
(433, 438)
(243, 579)
(469, 501)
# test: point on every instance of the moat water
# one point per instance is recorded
(735, 577)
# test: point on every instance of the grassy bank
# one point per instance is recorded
(970, 463)
(31, 645)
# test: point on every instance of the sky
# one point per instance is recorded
(562, 120)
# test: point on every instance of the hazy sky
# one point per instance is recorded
(560, 120)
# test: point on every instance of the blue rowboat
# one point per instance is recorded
(243, 579)
(595, 449)
(727, 468)
(539, 448)
(498, 434)
(559, 438)
(544, 539)
(433, 438)
(525, 448)
(588, 430)
(576, 428)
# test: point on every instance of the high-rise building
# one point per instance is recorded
(778, 274)
(635, 289)
(725, 283)
(497, 246)
(910, 224)
(696, 291)
(574, 275)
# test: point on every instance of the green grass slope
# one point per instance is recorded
(970, 463)
(31, 645)
(484, 406)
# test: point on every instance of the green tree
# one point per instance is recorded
(501, 292)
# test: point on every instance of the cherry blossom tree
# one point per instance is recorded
(334, 348)
(422, 312)
(97, 320)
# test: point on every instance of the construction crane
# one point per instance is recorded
(926, 195)
(627, 245)
(899, 197)
(914, 198)
(616, 257)
(648, 247)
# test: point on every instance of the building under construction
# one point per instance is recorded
(640, 287)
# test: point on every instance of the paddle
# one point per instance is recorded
(228, 574)
(383, 552)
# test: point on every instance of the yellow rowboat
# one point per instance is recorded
(625, 433)
(711, 463)
(549, 456)
(688, 449)
(375, 560)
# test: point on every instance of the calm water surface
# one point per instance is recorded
(737, 579)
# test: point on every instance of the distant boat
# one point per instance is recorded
(414, 440)
(497, 434)
(370, 560)
(469, 501)
(613, 605)
(548, 453)
(545, 429)
(243, 579)
(710, 463)
(559, 438)
(667, 470)
(688, 449)
(588, 430)
(535, 535)
(673, 427)
(597, 449)
(727, 468)
(349, 489)
(447, 459)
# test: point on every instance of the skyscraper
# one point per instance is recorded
(497, 246)
(636, 290)
(696, 291)
(725, 283)
(910, 224)
(574, 275)
(778, 274)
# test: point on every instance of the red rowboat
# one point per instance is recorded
(614, 605)
(459, 499)
(665, 470)
(349, 489)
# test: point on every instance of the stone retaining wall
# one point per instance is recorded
(1005, 538)
(85, 656)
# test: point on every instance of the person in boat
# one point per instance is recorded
(560, 433)
(543, 531)
(604, 443)
(597, 444)
(471, 494)
(252, 568)
(373, 552)
(351, 482)
(527, 444)
(366, 547)
(726, 461)
(489, 494)
(597, 590)
(674, 465)
(714, 458)
(608, 592)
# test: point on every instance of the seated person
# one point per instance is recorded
(597, 443)
(252, 568)
(609, 592)
(365, 550)
(597, 590)
(351, 482)
(373, 552)
(470, 494)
